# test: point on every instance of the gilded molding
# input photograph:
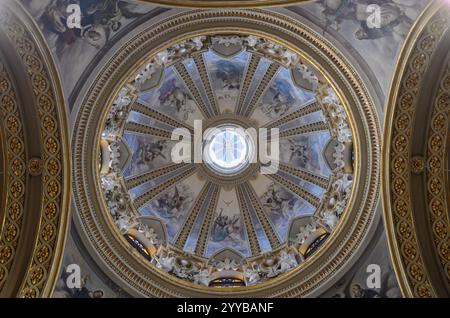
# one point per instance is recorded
(207, 221)
(205, 77)
(225, 4)
(184, 74)
(150, 112)
(193, 214)
(437, 162)
(51, 170)
(262, 217)
(15, 186)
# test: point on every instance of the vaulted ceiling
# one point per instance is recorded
(152, 85)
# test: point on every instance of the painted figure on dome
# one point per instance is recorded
(377, 18)
(98, 20)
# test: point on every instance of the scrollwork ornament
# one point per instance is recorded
(35, 166)
(437, 172)
(15, 154)
(417, 165)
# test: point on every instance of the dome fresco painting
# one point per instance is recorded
(254, 216)
(230, 149)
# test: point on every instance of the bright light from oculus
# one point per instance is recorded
(228, 149)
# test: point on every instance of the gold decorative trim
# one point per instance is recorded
(417, 165)
(206, 80)
(148, 130)
(150, 112)
(225, 4)
(15, 166)
(305, 129)
(265, 222)
(44, 215)
(302, 193)
(437, 172)
(136, 181)
(248, 223)
(148, 196)
(306, 175)
(406, 234)
(186, 77)
(249, 73)
(207, 221)
(314, 107)
(183, 235)
(262, 87)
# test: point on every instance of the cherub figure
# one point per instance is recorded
(226, 227)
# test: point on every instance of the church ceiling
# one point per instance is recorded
(214, 209)
(224, 148)
(193, 223)
(416, 154)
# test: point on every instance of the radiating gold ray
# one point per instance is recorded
(135, 181)
(248, 223)
(302, 193)
(147, 130)
(152, 193)
(159, 116)
(303, 174)
(262, 217)
(305, 129)
(193, 89)
(193, 214)
(311, 108)
(206, 80)
(262, 87)
(207, 221)
(249, 74)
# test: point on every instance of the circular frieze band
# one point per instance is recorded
(415, 174)
(224, 4)
(35, 205)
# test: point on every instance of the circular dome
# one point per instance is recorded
(228, 149)
(183, 213)
(283, 147)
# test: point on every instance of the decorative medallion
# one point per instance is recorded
(35, 166)
(417, 165)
